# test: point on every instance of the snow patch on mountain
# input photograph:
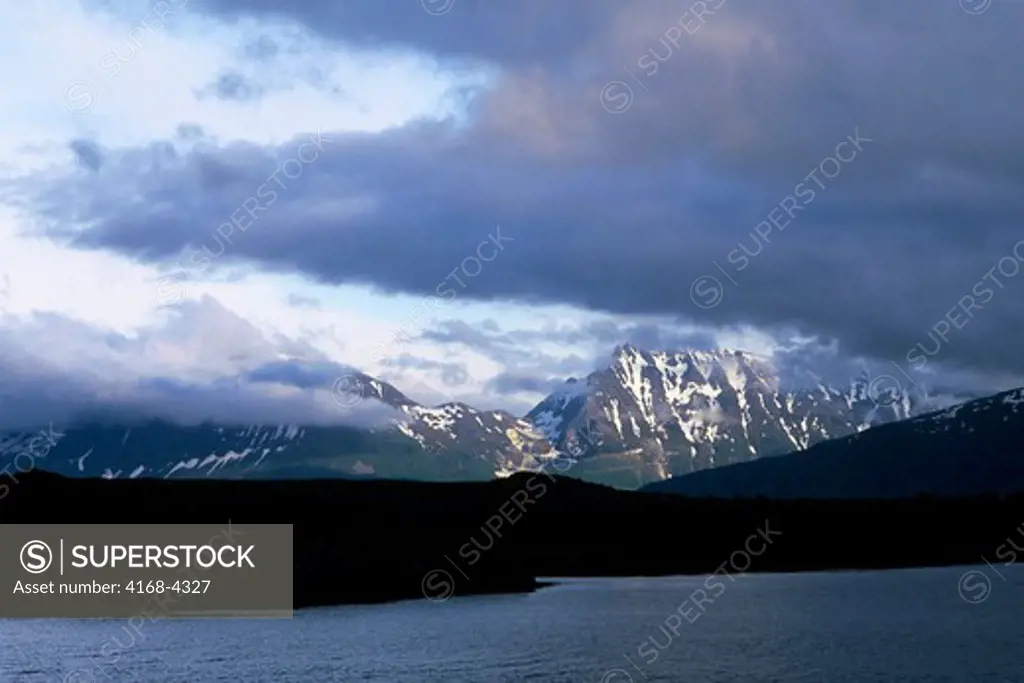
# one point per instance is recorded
(688, 410)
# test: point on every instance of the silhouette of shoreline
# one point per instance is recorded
(359, 542)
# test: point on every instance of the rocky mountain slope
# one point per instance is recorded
(969, 449)
(652, 415)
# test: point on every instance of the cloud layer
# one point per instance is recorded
(203, 364)
(826, 171)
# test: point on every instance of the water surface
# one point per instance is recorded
(843, 627)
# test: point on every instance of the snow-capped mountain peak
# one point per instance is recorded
(691, 409)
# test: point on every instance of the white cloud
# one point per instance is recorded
(91, 321)
(135, 76)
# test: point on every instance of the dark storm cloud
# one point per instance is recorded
(506, 383)
(517, 32)
(232, 85)
(452, 374)
(87, 154)
(624, 212)
(304, 375)
(262, 49)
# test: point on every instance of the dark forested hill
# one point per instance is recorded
(969, 449)
(358, 541)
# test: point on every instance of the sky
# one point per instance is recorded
(213, 209)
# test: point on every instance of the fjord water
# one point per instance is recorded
(935, 625)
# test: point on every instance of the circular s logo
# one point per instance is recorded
(616, 97)
(348, 390)
(975, 587)
(975, 6)
(438, 585)
(885, 391)
(36, 557)
(79, 97)
(170, 291)
(707, 291)
(437, 7)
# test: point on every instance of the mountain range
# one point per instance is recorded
(647, 416)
